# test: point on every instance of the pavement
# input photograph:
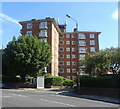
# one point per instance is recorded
(27, 97)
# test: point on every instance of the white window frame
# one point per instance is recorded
(73, 49)
(43, 33)
(60, 48)
(67, 35)
(68, 62)
(73, 63)
(61, 62)
(82, 50)
(43, 25)
(91, 35)
(68, 70)
(43, 39)
(72, 36)
(92, 49)
(61, 55)
(74, 70)
(82, 42)
(29, 25)
(68, 49)
(82, 36)
(61, 36)
(68, 77)
(68, 56)
(61, 71)
(67, 42)
(92, 42)
(73, 56)
(61, 43)
(82, 56)
(29, 33)
(73, 42)
(73, 77)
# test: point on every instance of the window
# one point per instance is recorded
(43, 33)
(73, 63)
(82, 36)
(82, 50)
(67, 49)
(82, 56)
(92, 42)
(61, 36)
(72, 36)
(67, 56)
(92, 49)
(29, 33)
(74, 70)
(61, 56)
(68, 62)
(91, 35)
(61, 63)
(44, 39)
(68, 42)
(43, 25)
(82, 43)
(73, 49)
(61, 49)
(29, 25)
(73, 42)
(73, 56)
(61, 42)
(61, 70)
(73, 77)
(67, 36)
(68, 77)
(68, 70)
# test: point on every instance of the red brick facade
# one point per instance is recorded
(67, 48)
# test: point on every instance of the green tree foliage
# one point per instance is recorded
(26, 56)
(103, 61)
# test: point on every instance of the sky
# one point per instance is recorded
(91, 16)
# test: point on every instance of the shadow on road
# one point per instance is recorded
(71, 93)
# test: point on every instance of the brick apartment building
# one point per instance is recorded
(67, 47)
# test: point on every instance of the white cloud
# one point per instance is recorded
(7, 18)
(115, 14)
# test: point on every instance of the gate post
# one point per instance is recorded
(40, 82)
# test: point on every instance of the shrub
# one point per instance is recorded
(57, 81)
(96, 82)
(68, 82)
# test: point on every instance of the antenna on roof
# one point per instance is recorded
(65, 22)
(58, 20)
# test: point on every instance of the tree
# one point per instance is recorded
(101, 62)
(26, 56)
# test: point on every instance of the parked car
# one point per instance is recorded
(2, 85)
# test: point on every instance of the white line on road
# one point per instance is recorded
(6, 96)
(58, 103)
(19, 95)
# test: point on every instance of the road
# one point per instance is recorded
(46, 98)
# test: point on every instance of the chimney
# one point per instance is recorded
(47, 17)
(33, 19)
(75, 29)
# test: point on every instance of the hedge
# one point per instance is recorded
(68, 82)
(57, 81)
(99, 82)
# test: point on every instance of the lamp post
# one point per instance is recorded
(77, 45)
(74, 20)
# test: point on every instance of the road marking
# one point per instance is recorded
(58, 102)
(19, 95)
(6, 96)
